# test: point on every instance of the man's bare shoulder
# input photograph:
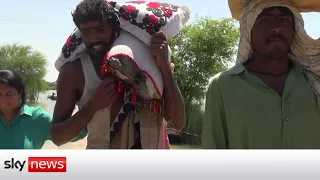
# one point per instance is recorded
(71, 68)
(72, 72)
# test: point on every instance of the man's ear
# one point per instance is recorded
(116, 32)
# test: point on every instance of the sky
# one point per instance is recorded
(45, 25)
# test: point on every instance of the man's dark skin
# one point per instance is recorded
(71, 81)
(271, 39)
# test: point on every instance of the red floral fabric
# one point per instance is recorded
(158, 14)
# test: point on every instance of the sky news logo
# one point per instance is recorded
(38, 164)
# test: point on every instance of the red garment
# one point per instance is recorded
(164, 139)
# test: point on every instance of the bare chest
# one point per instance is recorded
(275, 83)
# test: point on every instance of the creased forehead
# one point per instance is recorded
(283, 10)
(253, 10)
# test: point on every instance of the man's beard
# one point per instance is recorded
(275, 53)
(96, 56)
(279, 53)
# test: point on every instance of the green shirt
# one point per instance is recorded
(28, 130)
(243, 113)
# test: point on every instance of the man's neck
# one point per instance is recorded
(97, 63)
(269, 65)
(8, 116)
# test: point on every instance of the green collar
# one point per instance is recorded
(26, 110)
(239, 68)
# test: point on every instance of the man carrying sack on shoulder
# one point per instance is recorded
(112, 121)
(270, 99)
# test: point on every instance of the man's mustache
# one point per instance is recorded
(278, 37)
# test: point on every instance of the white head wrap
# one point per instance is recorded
(304, 50)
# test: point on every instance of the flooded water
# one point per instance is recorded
(48, 105)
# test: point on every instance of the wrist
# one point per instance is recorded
(166, 71)
(165, 68)
(89, 108)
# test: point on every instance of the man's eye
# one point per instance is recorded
(265, 20)
(6, 95)
(285, 20)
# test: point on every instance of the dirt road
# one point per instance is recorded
(76, 145)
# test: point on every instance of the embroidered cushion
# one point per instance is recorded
(131, 61)
(72, 49)
(143, 19)
(140, 18)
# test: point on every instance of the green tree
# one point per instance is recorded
(201, 50)
(29, 63)
(52, 85)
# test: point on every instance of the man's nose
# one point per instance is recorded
(93, 37)
(276, 29)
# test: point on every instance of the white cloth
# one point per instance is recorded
(98, 134)
(171, 17)
(171, 24)
(133, 49)
(304, 50)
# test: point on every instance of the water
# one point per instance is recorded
(48, 105)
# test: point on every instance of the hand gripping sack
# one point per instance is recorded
(131, 61)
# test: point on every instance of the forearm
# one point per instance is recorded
(68, 130)
(174, 107)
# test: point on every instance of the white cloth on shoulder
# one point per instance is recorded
(140, 18)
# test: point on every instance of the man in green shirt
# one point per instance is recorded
(268, 100)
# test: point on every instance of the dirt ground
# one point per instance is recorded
(75, 145)
(83, 143)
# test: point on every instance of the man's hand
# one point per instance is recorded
(159, 47)
(66, 127)
(172, 67)
(105, 95)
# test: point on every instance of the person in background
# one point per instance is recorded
(21, 126)
(268, 100)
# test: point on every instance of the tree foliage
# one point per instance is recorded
(201, 50)
(52, 85)
(30, 64)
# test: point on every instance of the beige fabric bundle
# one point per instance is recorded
(304, 50)
(237, 6)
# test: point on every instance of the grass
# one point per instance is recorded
(185, 146)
